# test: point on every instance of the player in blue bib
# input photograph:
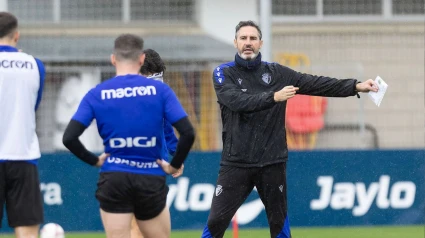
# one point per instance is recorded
(130, 110)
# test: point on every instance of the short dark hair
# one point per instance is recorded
(247, 23)
(128, 47)
(153, 63)
(8, 24)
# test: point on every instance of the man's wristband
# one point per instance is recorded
(355, 88)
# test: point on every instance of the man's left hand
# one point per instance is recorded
(367, 86)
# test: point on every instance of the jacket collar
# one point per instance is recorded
(248, 64)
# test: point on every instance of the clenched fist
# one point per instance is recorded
(367, 86)
(285, 93)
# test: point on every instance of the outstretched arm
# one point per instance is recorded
(325, 86)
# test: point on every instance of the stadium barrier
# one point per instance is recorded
(325, 188)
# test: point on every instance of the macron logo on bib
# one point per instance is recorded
(17, 64)
(128, 92)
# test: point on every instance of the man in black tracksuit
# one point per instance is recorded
(252, 95)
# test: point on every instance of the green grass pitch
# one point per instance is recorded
(349, 232)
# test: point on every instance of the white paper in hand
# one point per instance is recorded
(378, 96)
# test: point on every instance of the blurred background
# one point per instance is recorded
(345, 39)
(340, 38)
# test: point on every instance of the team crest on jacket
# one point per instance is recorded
(218, 190)
(267, 78)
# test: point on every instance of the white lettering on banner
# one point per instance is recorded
(52, 194)
(343, 195)
(129, 142)
(128, 92)
(407, 188)
(132, 163)
(198, 199)
(197, 196)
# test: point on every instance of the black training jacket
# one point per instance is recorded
(253, 123)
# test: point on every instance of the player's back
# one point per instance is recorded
(129, 112)
(20, 87)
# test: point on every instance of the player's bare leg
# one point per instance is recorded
(135, 231)
(27, 231)
(117, 225)
(157, 227)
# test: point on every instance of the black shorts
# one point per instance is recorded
(143, 195)
(20, 190)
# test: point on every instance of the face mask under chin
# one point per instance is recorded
(156, 76)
